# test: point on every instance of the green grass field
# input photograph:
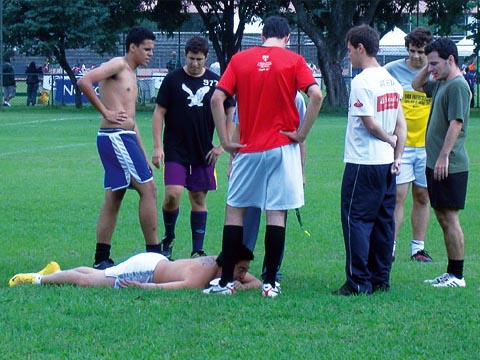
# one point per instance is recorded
(49, 201)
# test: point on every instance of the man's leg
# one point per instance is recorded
(402, 190)
(419, 218)
(454, 240)
(106, 225)
(198, 220)
(274, 244)
(170, 211)
(231, 241)
(81, 276)
(148, 214)
(251, 225)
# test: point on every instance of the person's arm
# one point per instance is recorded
(214, 154)
(218, 113)
(158, 156)
(248, 282)
(378, 131)
(85, 83)
(441, 165)
(401, 134)
(313, 107)
(420, 79)
(174, 285)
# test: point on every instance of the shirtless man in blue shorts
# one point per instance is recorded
(146, 271)
(119, 143)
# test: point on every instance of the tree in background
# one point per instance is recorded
(218, 20)
(51, 27)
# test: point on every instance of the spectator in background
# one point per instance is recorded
(9, 85)
(32, 72)
(174, 62)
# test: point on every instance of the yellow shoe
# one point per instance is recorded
(52, 267)
(22, 279)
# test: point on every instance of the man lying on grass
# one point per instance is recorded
(146, 271)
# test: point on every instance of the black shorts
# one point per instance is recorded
(449, 193)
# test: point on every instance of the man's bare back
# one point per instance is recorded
(193, 272)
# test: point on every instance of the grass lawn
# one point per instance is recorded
(50, 197)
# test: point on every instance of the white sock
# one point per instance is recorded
(394, 247)
(417, 245)
(38, 279)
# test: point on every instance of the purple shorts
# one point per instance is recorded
(122, 158)
(192, 177)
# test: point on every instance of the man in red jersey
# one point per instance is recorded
(266, 171)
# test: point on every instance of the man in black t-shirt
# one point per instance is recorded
(184, 118)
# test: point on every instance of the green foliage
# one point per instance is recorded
(50, 197)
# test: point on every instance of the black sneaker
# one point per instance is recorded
(104, 264)
(167, 247)
(345, 290)
(197, 254)
(421, 256)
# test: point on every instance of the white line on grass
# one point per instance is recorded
(44, 121)
(59, 147)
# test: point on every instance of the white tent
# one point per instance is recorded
(393, 43)
(465, 47)
(255, 27)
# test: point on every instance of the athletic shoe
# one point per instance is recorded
(437, 280)
(6, 103)
(422, 256)
(197, 254)
(167, 247)
(228, 289)
(345, 290)
(22, 279)
(50, 268)
(450, 281)
(270, 291)
(104, 264)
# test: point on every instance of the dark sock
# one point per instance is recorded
(102, 252)
(154, 248)
(231, 244)
(274, 246)
(455, 267)
(198, 223)
(169, 220)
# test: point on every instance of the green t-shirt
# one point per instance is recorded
(450, 101)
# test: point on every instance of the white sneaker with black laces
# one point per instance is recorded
(270, 291)
(228, 289)
(451, 281)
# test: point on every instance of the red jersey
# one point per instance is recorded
(265, 81)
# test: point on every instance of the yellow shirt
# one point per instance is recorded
(416, 107)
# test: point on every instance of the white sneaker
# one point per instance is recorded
(228, 289)
(270, 291)
(451, 281)
(438, 279)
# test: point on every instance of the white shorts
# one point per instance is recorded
(269, 180)
(414, 161)
(139, 267)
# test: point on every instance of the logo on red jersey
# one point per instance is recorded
(264, 65)
(388, 101)
(358, 104)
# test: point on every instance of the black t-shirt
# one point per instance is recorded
(189, 126)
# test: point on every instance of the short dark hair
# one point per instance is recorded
(245, 254)
(444, 47)
(419, 37)
(275, 27)
(137, 35)
(365, 35)
(197, 44)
